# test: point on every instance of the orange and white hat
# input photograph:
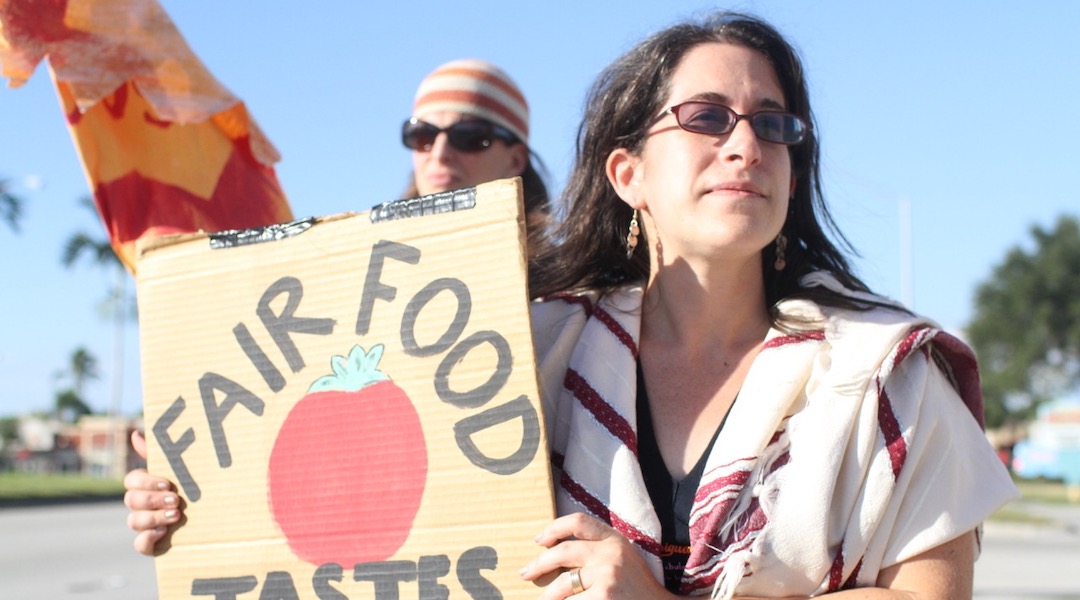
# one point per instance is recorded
(477, 88)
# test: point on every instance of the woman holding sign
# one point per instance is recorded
(730, 410)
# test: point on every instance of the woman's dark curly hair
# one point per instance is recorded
(586, 250)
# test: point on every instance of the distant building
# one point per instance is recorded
(95, 445)
(38, 434)
(104, 445)
(1052, 449)
(42, 447)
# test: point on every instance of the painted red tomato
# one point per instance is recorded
(348, 468)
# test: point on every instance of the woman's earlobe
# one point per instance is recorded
(622, 169)
(519, 159)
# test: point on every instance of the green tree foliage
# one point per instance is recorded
(1026, 330)
(119, 306)
(10, 206)
(81, 368)
(99, 250)
(9, 431)
(69, 406)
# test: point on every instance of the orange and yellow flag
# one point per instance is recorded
(166, 147)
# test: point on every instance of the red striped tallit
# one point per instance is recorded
(830, 466)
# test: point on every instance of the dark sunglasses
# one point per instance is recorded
(709, 118)
(464, 136)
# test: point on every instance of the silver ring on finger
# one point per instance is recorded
(576, 586)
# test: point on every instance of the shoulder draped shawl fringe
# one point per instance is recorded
(853, 446)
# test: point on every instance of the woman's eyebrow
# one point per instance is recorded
(717, 98)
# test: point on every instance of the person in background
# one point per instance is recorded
(730, 410)
(470, 125)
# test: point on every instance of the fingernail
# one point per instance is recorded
(524, 570)
(159, 530)
(162, 485)
(170, 500)
(170, 514)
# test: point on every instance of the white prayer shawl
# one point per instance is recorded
(848, 451)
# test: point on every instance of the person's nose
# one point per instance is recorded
(441, 148)
(742, 144)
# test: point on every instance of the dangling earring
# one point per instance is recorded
(781, 246)
(631, 237)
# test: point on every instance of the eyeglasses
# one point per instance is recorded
(709, 118)
(464, 136)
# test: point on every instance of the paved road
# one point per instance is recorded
(83, 552)
(73, 551)
(1024, 562)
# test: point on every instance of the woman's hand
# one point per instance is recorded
(153, 502)
(607, 564)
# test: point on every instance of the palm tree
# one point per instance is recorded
(100, 250)
(82, 367)
(70, 406)
(118, 305)
(10, 206)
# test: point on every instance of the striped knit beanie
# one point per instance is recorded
(476, 88)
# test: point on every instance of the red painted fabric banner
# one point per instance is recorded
(166, 148)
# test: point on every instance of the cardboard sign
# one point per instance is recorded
(348, 404)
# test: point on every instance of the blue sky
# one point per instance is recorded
(962, 112)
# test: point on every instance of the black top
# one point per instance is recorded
(671, 498)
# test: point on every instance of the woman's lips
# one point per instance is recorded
(737, 188)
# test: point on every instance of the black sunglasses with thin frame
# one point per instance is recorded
(710, 118)
(465, 136)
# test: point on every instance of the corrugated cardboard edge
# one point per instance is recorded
(495, 190)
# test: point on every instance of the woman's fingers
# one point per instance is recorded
(148, 492)
(575, 581)
(574, 526)
(584, 556)
(568, 584)
(151, 522)
(138, 443)
(145, 541)
(562, 556)
(141, 500)
(154, 506)
(569, 542)
(139, 479)
(143, 520)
